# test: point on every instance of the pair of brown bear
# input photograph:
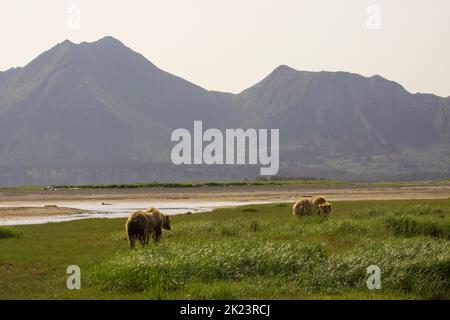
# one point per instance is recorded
(142, 224)
(311, 206)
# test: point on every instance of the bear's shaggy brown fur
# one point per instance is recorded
(303, 207)
(319, 200)
(137, 228)
(157, 222)
(142, 224)
(306, 206)
(323, 205)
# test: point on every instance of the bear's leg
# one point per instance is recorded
(149, 235)
(142, 240)
(157, 234)
(302, 211)
(131, 242)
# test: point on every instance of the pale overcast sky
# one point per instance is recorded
(229, 45)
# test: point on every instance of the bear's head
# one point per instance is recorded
(325, 208)
(166, 222)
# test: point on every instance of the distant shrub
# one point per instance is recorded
(9, 233)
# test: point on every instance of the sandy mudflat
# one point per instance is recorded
(14, 198)
(50, 205)
(19, 212)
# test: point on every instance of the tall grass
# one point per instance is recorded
(407, 266)
(409, 227)
(424, 209)
(174, 265)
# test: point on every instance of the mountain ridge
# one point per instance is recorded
(100, 103)
(283, 67)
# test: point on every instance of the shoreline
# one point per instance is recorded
(29, 215)
(35, 206)
(12, 197)
(40, 211)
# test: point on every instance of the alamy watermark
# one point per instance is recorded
(73, 17)
(373, 21)
(74, 279)
(236, 146)
(374, 280)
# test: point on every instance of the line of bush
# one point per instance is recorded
(9, 233)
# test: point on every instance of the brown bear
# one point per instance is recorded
(142, 224)
(137, 228)
(303, 207)
(316, 205)
(323, 205)
(157, 222)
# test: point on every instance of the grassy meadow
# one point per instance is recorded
(250, 252)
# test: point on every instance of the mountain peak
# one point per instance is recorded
(283, 69)
(280, 73)
(66, 42)
(109, 40)
(105, 41)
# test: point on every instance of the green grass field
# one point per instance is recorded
(251, 252)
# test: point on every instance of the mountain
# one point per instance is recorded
(342, 122)
(94, 102)
(101, 113)
(374, 111)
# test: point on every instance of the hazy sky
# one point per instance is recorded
(229, 45)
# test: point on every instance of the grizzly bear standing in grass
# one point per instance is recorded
(157, 222)
(137, 228)
(141, 224)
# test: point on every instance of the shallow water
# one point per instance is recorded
(123, 209)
